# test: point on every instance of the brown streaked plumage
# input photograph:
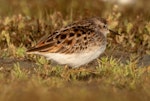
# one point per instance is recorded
(71, 44)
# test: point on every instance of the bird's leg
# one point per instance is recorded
(66, 73)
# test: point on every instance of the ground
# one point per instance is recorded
(121, 73)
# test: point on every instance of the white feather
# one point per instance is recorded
(75, 59)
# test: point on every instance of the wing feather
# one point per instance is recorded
(66, 40)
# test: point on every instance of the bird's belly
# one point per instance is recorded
(76, 59)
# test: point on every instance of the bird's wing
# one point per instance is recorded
(69, 39)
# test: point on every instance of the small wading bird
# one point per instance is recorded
(76, 44)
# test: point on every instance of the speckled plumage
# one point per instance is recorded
(76, 44)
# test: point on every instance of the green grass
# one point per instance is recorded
(117, 75)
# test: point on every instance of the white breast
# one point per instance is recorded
(76, 59)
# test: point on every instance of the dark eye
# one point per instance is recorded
(105, 26)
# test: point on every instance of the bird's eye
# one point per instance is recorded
(105, 26)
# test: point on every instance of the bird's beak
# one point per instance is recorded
(113, 32)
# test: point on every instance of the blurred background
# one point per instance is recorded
(75, 8)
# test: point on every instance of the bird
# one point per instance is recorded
(76, 44)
